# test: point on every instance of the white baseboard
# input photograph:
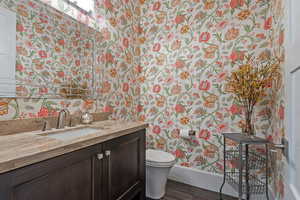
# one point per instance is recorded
(200, 179)
(203, 179)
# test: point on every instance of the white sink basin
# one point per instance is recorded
(70, 134)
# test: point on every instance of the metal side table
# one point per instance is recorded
(244, 164)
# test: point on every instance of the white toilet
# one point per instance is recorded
(158, 166)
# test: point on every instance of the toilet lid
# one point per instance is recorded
(159, 156)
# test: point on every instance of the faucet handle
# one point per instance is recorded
(45, 125)
(71, 121)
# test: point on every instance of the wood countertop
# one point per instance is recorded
(22, 149)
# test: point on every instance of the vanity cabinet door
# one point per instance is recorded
(124, 167)
(67, 177)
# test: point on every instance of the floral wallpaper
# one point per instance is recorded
(117, 57)
(189, 49)
(276, 106)
(163, 62)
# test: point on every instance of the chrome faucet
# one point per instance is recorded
(62, 116)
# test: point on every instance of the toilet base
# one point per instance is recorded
(156, 181)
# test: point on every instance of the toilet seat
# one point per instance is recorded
(157, 158)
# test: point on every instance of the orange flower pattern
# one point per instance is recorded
(187, 58)
(163, 63)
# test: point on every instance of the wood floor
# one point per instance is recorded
(179, 191)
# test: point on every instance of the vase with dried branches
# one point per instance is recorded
(249, 84)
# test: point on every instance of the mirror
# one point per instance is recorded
(55, 53)
(7, 52)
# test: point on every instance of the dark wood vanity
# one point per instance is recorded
(112, 170)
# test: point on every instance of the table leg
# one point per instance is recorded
(241, 172)
(267, 172)
(247, 173)
(224, 168)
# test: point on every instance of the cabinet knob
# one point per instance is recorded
(107, 153)
(100, 156)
